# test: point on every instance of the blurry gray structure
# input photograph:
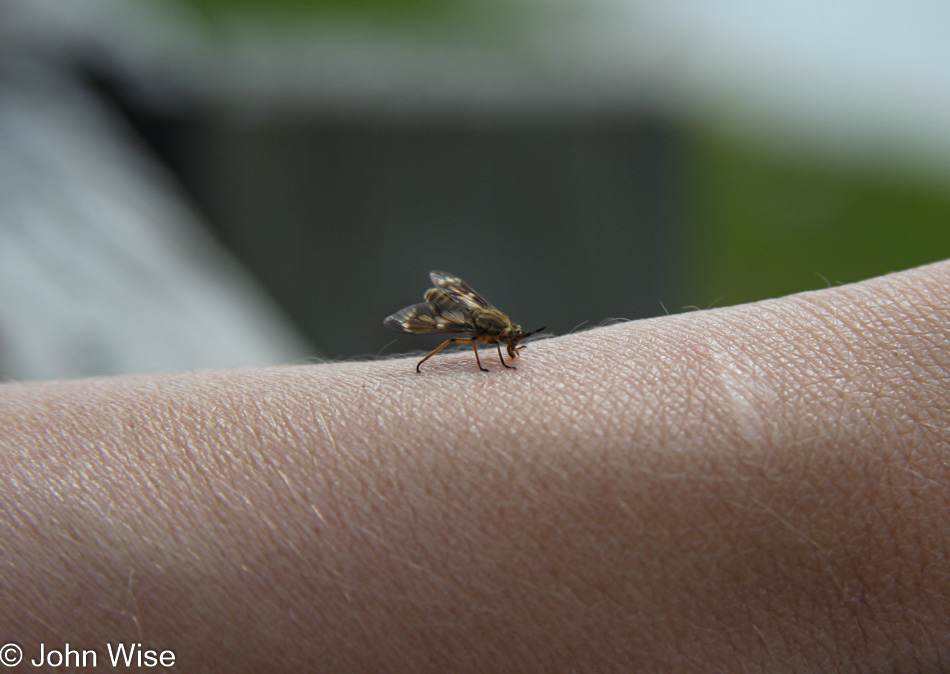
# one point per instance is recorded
(561, 222)
(342, 166)
(103, 267)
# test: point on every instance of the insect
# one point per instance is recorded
(452, 306)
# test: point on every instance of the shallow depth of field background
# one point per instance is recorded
(576, 162)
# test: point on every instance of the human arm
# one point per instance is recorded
(760, 486)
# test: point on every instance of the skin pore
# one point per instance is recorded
(756, 488)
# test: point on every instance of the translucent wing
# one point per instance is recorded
(458, 290)
(431, 317)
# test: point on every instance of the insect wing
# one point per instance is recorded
(430, 317)
(458, 290)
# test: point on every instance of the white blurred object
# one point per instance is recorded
(103, 269)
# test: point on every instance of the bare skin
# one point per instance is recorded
(757, 488)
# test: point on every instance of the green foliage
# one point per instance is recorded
(768, 225)
(305, 7)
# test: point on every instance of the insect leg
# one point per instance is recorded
(475, 347)
(442, 346)
(502, 359)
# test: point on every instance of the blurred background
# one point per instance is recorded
(215, 183)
